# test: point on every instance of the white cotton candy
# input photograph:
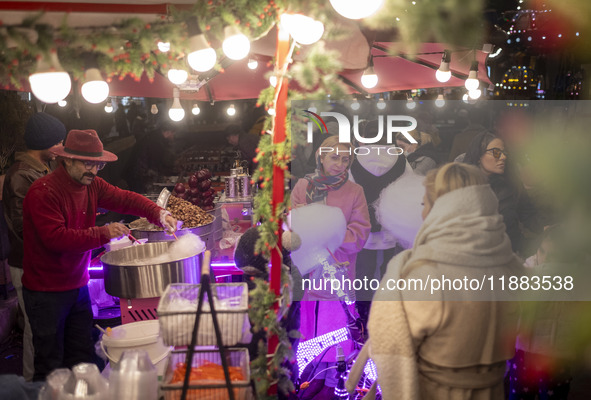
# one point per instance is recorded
(321, 228)
(186, 246)
(399, 207)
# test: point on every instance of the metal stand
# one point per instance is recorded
(206, 287)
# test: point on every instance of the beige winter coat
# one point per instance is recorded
(449, 344)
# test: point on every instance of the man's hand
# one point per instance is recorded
(170, 224)
(117, 230)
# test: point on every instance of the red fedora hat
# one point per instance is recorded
(84, 145)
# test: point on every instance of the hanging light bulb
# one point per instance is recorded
(109, 107)
(154, 109)
(252, 63)
(355, 9)
(474, 94)
(381, 104)
(443, 74)
(62, 103)
(273, 80)
(369, 79)
(176, 112)
(355, 105)
(465, 98)
(202, 58)
(236, 45)
(440, 101)
(50, 83)
(472, 81)
(177, 76)
(95, 90)
(410, 103)
(195, 110)
(231, 110)
(303, 29)
(271, 111)
(164, 46)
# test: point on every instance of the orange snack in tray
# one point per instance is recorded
(208, 371)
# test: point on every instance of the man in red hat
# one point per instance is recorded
(59, 233)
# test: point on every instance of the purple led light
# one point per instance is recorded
(310, 349)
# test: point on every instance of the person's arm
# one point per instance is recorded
(43, 209)
(20, 183)
(126, 202)
(298, 194)
(358, 225)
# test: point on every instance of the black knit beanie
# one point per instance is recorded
(43, 131)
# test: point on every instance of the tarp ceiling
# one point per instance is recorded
(395, 73)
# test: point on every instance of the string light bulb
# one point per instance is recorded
(62, 103)
(443, 74)
(202, 57)
(410, 103)
(50, 83)
(252, 64)
(231, 111)
(94, 90)
(381, 104)
(176, 112)
(109, 107)
(273, 80)
(355, 9)
(472, 81)
(303, 29)
(474, 94)
(164, 47)
(440, 101)
(195, 110)
(154, 109)
(236, 45)
(369, 79)
(177, 76)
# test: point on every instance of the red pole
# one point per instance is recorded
(278, 175)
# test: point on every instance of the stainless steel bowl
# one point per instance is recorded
(203, 231)
(129, 281)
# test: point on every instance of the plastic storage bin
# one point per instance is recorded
(207, 364)
(178, 306)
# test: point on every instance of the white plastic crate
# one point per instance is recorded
(178, 306)
(238, 361)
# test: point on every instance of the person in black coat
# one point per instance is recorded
(487, 151)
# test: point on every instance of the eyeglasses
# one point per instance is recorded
(91, 164)
(496, 152)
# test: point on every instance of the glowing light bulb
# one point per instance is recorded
(410, 104)
(176, 112)
(95, 90)
(231, 110)
(154, 109)
(253, 64)
(62, 103)
(355, 9)
(273, 80)
(109, 107)
(440, 101)
(474, 94)
(303, 29)
(236, 45)
(195, 110)
(271, 111)
(50, 83)
(369, 79)
(164, 46)
(177, 76)
(381, 104)
(472, 81)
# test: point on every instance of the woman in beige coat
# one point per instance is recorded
(431, 343)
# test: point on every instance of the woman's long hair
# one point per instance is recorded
(478, 146)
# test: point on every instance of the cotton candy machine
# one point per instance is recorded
(139, 274)
(142, 229)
